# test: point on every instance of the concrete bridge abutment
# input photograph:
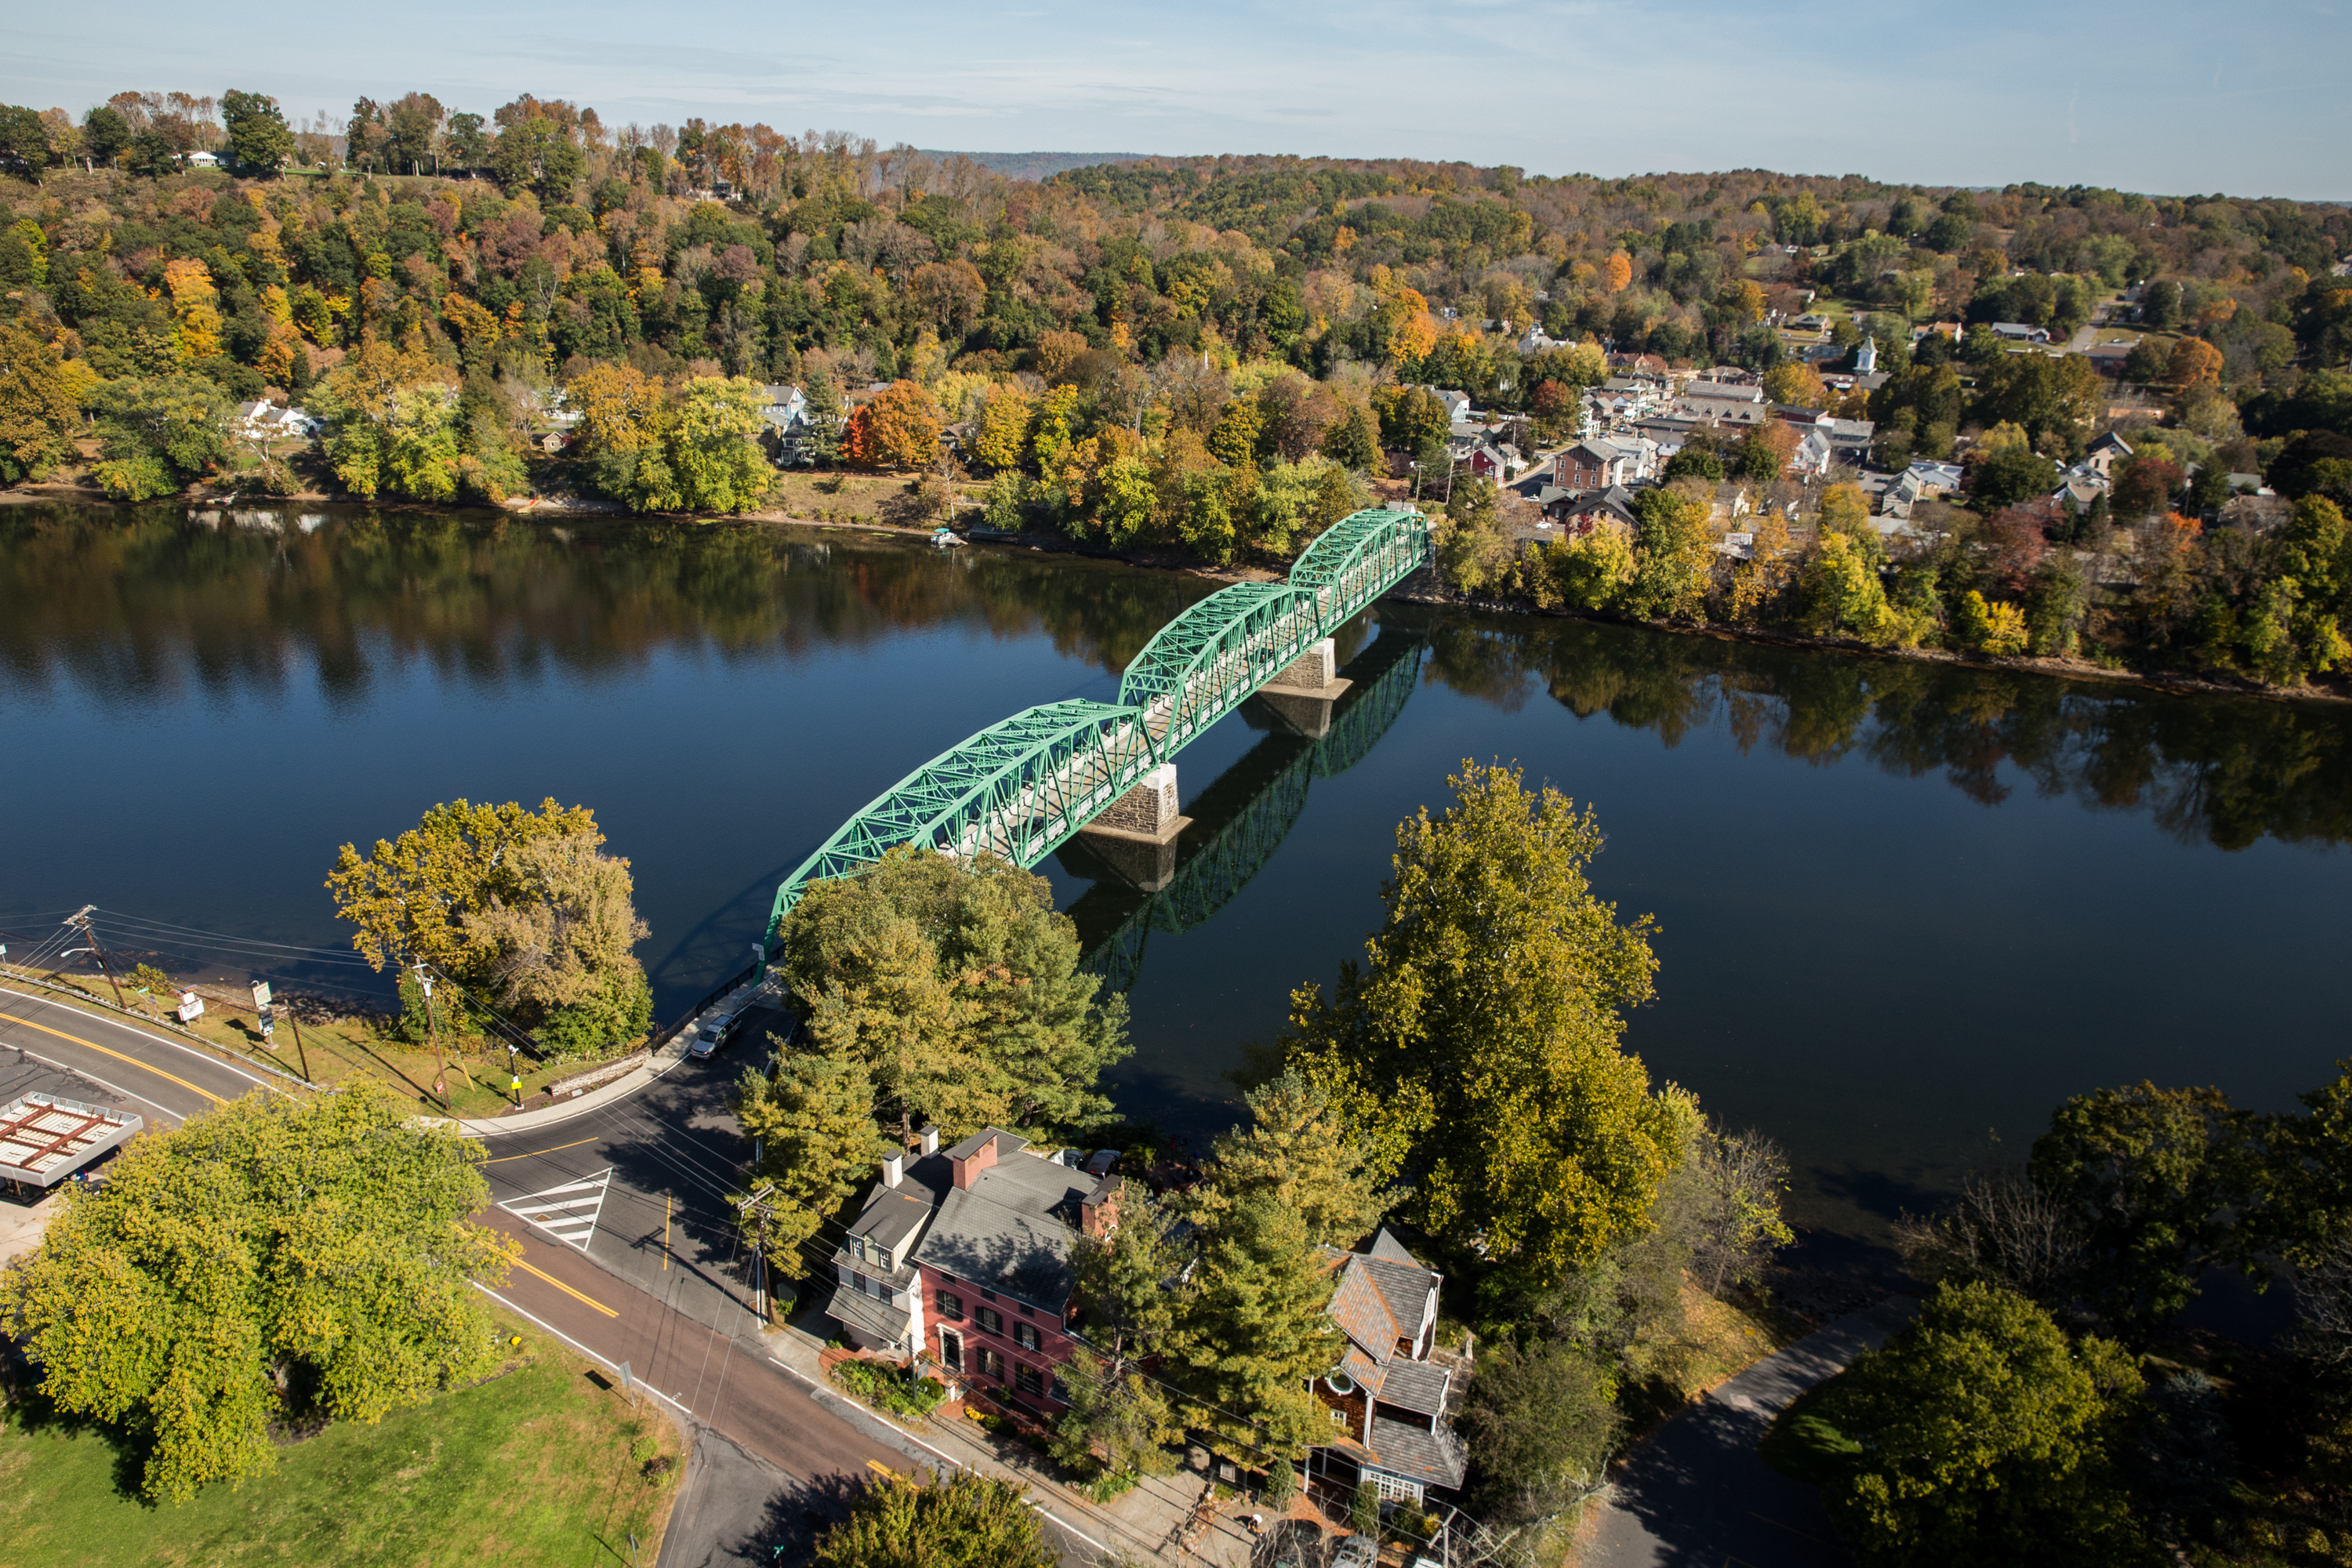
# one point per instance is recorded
(1135, 834)
(1302, 694)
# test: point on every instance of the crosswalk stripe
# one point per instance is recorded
(563, 1218)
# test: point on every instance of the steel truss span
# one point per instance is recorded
(1020, 788)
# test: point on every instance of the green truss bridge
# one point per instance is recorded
(1023, 786)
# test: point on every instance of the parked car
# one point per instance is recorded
(1356, 1552)
(714, 1034)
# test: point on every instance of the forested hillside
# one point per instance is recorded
(1209, 353)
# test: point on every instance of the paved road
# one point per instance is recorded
(1696, 1493)
(164, 1079)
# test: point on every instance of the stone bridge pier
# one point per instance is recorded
(1302, 695)
(1135, 834)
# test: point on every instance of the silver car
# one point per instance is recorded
(713, 1035)
(1356, 1551)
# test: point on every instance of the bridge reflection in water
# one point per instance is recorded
(1240, 819)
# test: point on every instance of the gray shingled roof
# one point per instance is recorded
(859, 1311)
(1011, 1229)
(1415, 1385)
(1437, 1458)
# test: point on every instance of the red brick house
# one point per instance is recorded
(963, 1259)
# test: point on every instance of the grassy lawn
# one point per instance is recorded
(846, 497)
(1803, 1444)
(336, 1052)
(534, 1466)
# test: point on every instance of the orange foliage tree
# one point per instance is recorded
(1618, 272)
(899, 429)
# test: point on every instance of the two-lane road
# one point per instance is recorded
(164, 1079)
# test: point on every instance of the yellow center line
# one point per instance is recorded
(567, 1289)
(878, 1468)
(118, 1056)
(526, 1154)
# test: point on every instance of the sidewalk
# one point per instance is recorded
(1146, 1521)
(585, 1101)
(1697, 1491)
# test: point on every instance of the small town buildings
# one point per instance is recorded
(2019, 333)
(2103, 453)
(1387, 1398)
(1501, 462)
(1722, 403)
(1597, 462)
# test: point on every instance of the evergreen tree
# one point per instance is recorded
(813, 1116)
(958, 985)
(1250, 1332)
(1301, 1156)
(824, 413)
(963, 1522)
(1351, 442)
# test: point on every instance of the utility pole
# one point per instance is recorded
(81, 917)
(758, 1204)
(440, 1062)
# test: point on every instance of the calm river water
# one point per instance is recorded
(1905, 908)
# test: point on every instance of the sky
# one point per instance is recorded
(2168, 97)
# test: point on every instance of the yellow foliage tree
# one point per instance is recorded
(1003, 437)
(196, 303)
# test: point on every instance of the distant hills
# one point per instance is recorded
(1037, 166)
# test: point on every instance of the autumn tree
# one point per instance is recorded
(41, 394)
(1299, 1153)
(898, 428)
(158, 433)
(1495, 998)
(813, 1116)
(268, 1260)
(1673, 555)
(1795, 382)
(1004, 437)
(958, 987)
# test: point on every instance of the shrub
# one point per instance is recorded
(889, 1388)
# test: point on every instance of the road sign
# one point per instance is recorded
(192, 1006)
(261, 993)
(269, 1023)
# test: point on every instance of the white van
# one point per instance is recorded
(713, 1035)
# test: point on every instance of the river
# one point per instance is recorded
(1905, 907)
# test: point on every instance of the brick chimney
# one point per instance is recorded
(967, 1167)
(1098, 1213)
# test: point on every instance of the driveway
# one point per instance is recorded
(1696, 1493)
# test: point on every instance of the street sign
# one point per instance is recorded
(261, 993)
(268, 1022)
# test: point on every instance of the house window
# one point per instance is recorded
(1028, 1379)
(951, 1306)
(1028, 1312)
(1338, 1417)
(1026, 1335)
(989, 1318)
(1055, 1390)
(1394, 1489)
(951, 1349)
(988, 1363)
(987, 1295)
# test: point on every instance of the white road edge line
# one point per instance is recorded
(950, 1459)
(584, 1349)
(159, 1039)
(93, 1078)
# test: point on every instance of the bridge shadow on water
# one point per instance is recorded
(1241, 818)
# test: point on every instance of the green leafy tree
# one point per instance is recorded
(2007, 477)
(1474, 545)
(965, 1521)
(1299, 1154)
(1986, 1435)
(825, 415)
(2153, 1178)
(1540, 1421)
(268, 1259)
(259, 141)
(1673, 555)
(156, 434)
(1250, 1331)
(1123, 1423)
(2297, 625)
(1495, 998)
(714, 451)
(105, 135)
(813, 1118)
(959, 987)
(552, 938)
(1842, 591)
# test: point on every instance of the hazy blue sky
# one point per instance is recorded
(2167, 96)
